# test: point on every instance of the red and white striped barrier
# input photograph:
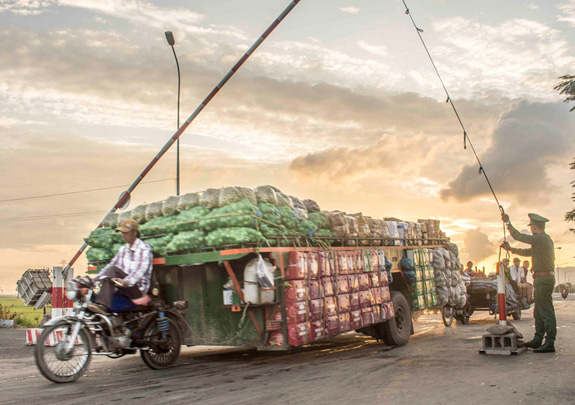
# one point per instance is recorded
(33, 335)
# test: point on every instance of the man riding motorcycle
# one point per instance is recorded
(131, 267)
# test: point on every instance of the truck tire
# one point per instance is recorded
(396, 331)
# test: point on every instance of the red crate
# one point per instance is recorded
(388, 309)
(342, 284)
(297, 266)
(324, 266)
(355, 320)
(353, 283)
(354, 303)
(359, 265)
(351, 262)
(385, 294)
(367, 316)
(296, 290)
(374, 279)
(313, 265)
(314, 289)
(317, 330)
(344, 324)
(363, 281)
(316, 309)
(383, 279)
(332, 325)
(342, 265)
(328, 284)
(297, 312)
(298, 334)
(376, 293)
(343, 303)
(329, 306)
(364, 299)
(374, 259)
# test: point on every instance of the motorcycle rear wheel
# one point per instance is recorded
(447, 314)
(162, 353)
(53, 361)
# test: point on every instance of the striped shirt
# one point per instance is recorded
(136, 262)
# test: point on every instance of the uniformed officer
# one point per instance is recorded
(542, 252)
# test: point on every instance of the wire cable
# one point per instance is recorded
(466, 138)
(77, 192)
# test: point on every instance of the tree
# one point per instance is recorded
(567, 86)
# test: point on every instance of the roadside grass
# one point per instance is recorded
(12, 307)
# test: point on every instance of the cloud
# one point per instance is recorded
(518, 57)
(568, 10)
(477, 246)
(374, 49)
(349, 10)
(528, 139)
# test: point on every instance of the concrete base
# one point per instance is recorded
(504, 345)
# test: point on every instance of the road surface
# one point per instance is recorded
(439, 366)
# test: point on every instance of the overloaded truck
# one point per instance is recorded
(263, 269)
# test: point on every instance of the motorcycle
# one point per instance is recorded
(564, 292)
(65, 347)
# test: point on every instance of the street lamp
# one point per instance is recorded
(172, 42)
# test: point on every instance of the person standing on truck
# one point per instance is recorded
(469, 269)
(131, 267)
(542, 252)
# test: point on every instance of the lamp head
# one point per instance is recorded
(170, 38)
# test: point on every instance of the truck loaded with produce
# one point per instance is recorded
(258, 267)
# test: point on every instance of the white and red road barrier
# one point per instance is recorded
(33, 335)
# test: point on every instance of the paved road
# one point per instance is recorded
(439, 366)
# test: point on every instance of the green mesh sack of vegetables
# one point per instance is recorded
(307, 227)
(188, 220)
(237, 215)
(188, 240)
(270, 212)
(288, 218)
(98, 255)
(103, 238)
(158, 245)
(320, 219)
(233, 236)
(116, 248)
(159, 226)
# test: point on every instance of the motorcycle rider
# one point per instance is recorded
(131, 267)
(542, 252)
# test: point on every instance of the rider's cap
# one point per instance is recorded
(537, 219)
(127, 226)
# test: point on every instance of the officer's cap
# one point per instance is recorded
(537, 219)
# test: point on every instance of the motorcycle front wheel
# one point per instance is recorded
(162, 353)
(447, 315)
(53, 359)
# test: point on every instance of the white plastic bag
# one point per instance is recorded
(265, 272)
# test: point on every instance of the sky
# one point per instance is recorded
(340, 105)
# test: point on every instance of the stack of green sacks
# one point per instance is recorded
(213, 219)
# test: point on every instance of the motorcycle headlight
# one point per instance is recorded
(71, 290)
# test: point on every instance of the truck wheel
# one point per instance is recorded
(396, 331)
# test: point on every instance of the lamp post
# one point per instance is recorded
(172, 42)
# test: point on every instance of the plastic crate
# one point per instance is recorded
(33, 284)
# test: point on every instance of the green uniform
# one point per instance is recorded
(542, 252)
